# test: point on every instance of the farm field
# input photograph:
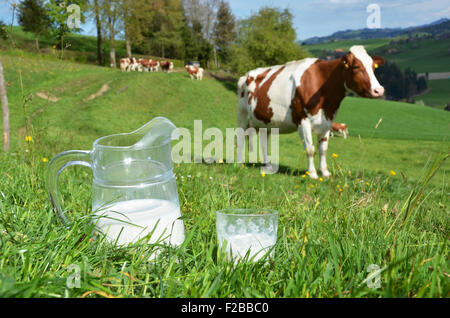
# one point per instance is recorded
(370, 45)
(330, 231)
(439, 96)
(422, 56)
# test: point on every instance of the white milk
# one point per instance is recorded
(258, 244)
(134, 219)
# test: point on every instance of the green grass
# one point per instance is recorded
(328, 235)
(439, 96)
(345, 45)
(424, 55)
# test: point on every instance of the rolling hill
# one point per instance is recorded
(436, 28)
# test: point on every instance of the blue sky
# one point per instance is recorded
(323, 17)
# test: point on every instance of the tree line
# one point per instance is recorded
(202, 30)
(400, 85)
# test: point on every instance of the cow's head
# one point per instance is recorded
(359, 72)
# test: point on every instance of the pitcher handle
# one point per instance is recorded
(56, 166)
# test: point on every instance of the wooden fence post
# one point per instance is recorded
(5, 109)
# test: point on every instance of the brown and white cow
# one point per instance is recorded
(340, 128)
(128, 64)
(304, 96)
(149, 65)
(195, 72)
(125, 64)
(166, 66)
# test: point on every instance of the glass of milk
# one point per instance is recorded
(134, 192)
(247, 231)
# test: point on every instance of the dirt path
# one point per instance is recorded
(47, 96)
(99, 93)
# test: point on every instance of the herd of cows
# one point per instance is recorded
(300, 96)
(148, 65)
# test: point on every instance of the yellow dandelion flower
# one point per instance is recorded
(307, 173)
(304, 176)
(263, 174)
(220, 160)
(312, 186)
(367, 184)
(320, 179)
(338, 186)
(44, 159)
(28, 138)
(334, 155)
(392, 173)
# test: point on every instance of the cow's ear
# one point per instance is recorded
(378, 61)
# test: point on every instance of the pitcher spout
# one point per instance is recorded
(156, 132)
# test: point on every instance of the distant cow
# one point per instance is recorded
(304, 96)
(128, 64)
(125, 64)
(195, 72)
(166, 66)
(149, 65)
(339, 128)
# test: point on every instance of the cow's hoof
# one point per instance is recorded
(313, 175)
(269, 169)
(326, 174)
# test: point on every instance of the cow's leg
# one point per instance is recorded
(323, 147)
(264, 134)
(305, 132)
(242, 122)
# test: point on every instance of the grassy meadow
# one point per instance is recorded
(439, 94)
(423, 55)
(386, 203)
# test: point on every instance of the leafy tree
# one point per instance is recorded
(3, 32)
(111, 11)
(224, 31)
(59, 15)
(33, 18)
(266, 38)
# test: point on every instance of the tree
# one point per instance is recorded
(5, 109)
(203, 12)
(138, 18)
(33, 18)
(59, 16)
(164, 33)
(96, 7)
(266, 38)
(224, 31)
(111, 12)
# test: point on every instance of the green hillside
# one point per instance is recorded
(370, 45)
(423, 55)
(379, 206)
(439, 94)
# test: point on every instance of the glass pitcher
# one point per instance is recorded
(134, 189)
